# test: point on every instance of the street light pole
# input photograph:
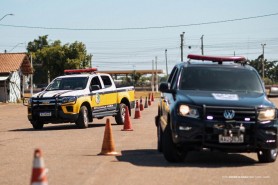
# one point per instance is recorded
(182, 39)
(166, 62)
(6, 16)
(263, 45)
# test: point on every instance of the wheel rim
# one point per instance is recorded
(85, 116)
(123, 113)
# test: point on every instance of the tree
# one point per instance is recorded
(50, 60)
(271, 69)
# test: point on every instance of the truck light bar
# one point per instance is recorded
(79, 71)
(219, 59)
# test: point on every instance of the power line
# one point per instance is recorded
(138, 28)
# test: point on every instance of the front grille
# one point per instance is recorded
(45, 103)
(242, 114)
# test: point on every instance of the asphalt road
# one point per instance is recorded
(71, 155)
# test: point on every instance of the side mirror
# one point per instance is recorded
(165, 87)
(273, 92)
(94, 87)
(25, 101)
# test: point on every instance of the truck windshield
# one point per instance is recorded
(220, 79)
(70, 83)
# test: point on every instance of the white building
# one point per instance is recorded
(14, 70)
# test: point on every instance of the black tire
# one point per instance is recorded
(37, 124)
(120, 117)
(267, 155)
(82, 120)
(159, 134)
(170, 151)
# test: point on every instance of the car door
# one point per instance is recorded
(98, 101)
(109, 92)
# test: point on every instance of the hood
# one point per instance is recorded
(236, 99)
(60, 93)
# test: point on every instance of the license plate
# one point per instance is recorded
(229, 139)
(45, 114)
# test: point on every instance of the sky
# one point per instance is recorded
(131, 34)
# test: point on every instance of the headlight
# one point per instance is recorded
(68, 99)
(185, 110)
(267, 114)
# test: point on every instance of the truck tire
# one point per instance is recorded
(170, 151)
(37, 124)
(83, 120)
(120, 117)
(267, 155)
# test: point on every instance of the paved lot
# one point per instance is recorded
(71, 155)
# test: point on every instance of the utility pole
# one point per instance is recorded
(182, 38)
(202, 44)
(152, 83)
(263, 45)
(31, 78)
(166, 62)
(156, 77)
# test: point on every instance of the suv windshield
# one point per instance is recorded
(219, 79)
(71, 83)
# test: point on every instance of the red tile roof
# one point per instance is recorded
(10, 62)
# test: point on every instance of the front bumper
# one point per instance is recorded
(199, 133)
(51, 111)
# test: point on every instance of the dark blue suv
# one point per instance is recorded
(216, 103)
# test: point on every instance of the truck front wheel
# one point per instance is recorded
(83, 120)
(170, 151)
(120, 117)
(267, 155)
(37, 124)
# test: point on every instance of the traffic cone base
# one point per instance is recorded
(108, 146)
(127, 123)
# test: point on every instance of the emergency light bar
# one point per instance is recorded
(219, 59)
(79, 71)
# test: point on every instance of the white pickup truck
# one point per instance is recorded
(78, 98)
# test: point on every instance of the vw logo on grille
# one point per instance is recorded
(229, 114)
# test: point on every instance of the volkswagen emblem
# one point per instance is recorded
(229, 114)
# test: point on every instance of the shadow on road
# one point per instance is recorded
(57, 127)
(152, 158)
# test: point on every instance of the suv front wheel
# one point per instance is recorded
(83, 120)
(267, 155)
(170, 151)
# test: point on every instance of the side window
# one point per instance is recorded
(96, 81)
(172, 77)
(106, 81)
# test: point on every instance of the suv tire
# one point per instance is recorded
(83, 120)
(170, 151)
(37, 124)
(120, 117)
(159, 134)
(267, 155)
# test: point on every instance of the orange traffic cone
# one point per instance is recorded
(137, 114)
(146, 103)
(127, 124)
(141, 104)
(149, 100)
(152, 98)
(108, 146)
(38, 172)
